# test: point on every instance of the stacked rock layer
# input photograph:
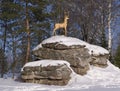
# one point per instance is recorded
(80, 56)
(50, 74)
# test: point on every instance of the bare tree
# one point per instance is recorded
(109, 28)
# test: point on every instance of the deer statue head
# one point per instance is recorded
(62, 25)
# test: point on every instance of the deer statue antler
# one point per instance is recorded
(62, 25)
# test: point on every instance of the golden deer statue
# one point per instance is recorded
(61, 25)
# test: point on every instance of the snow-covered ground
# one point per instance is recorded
(97, 79)
(10, 85)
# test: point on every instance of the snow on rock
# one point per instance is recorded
(96, 50)
(64, 40)
(44, 63)
(37, 47)
(69, 41)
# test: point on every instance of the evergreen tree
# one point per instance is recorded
(8, 15)
(117, 57)
(41, 20)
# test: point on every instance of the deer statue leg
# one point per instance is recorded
(54, 33)
(65, 31)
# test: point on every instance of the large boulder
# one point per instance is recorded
(51, 72)
(99, 56)
(76, 55)
(77, 52)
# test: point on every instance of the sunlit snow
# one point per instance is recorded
(96, 79)
(69, 41)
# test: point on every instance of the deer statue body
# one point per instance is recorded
(61, 25)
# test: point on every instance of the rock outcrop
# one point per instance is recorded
(76, 55)
(99, 60)
(58, 74)
(79, 54)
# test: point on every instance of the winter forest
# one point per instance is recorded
(26, 23)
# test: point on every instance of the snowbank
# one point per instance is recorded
(69, 41)
(96, 76)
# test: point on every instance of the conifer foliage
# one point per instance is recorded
(117, 57)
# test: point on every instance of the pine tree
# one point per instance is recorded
(27, 31)
(9, 14)
(32, 25)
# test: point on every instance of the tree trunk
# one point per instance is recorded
(4, 46)
(109, 29)
(14, 55)
(28, 33)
